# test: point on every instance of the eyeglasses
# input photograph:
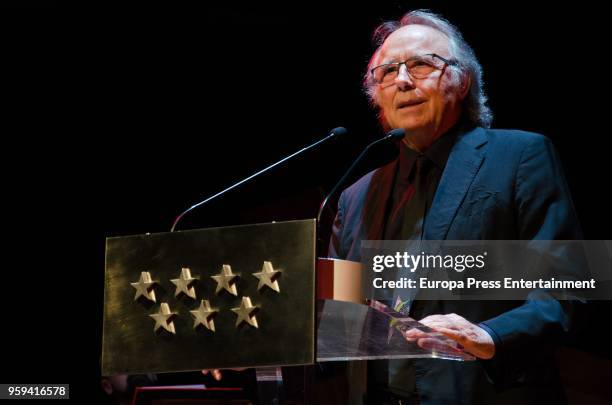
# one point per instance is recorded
(418, 67)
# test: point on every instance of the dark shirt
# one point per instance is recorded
(397, 376)
(435, 158)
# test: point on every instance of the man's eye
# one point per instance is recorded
(418, 63)
(390, 69)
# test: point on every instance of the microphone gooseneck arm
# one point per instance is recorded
(334, 132)
(395, 134)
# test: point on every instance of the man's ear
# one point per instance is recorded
(466, 84)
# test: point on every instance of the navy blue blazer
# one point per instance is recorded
(497, 185)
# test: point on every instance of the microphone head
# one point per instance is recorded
(340, 131)
(396, 134)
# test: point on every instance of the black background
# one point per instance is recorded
(115, 119)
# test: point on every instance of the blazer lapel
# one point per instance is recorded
(463, 163)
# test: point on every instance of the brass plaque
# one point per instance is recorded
(240, 296)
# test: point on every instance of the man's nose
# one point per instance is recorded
(403, 80)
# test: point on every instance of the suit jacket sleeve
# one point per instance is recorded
(335, 244)
(545, 212)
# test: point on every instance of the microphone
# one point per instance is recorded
(393, 135)
(336, 132)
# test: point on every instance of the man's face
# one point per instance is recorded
(425, 108)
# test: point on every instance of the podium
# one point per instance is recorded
(244, 297)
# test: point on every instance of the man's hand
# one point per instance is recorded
(216, 373)
(471, 337)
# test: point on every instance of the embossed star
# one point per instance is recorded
(164, 319)
(267, 277)
(184, 284)
(226, 280)
(246, 313)
(144, 287)
(204, 316)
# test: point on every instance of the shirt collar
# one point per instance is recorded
(438, 152)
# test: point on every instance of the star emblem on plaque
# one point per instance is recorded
(268, 277)
(226, 280)
(184, 284)
(204, 316)
(144, 287)
(164, 319)
(246, 313)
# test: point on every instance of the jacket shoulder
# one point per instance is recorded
(514, 137)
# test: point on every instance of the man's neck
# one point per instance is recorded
(420, 142)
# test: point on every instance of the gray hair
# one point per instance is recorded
(475, 105)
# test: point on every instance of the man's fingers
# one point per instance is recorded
(452, 334)
(216, 373)
(431, 318)
(431, 344)
(414, 333)
(437, 321)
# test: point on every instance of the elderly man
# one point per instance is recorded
(457, 179)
